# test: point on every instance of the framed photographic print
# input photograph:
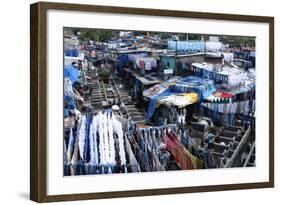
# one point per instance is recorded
(133, 102)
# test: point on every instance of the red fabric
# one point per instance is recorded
(178, 151)
(226, 95)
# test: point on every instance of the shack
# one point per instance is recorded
(123, 57)
(180, 64)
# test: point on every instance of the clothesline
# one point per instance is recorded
(169, 128)
(242, 107)
(95, 142)
(100, 146)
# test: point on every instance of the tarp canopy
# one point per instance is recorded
(71, 72)
(187, 87)
(160, 88)
(153, 102)
(192, 84)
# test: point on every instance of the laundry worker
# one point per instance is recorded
(210, 138)
(80, 65)
(122, 106)
(239, 135)
(142, 68)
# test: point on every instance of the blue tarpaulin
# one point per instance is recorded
(191, 84)
(72, 52)
(71, 72)
(122, 61)
(153, 101)
(70, 102)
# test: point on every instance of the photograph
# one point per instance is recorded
(146, 101)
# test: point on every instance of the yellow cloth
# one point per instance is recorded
(197, 163)
(192, 96)
(180, 100)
